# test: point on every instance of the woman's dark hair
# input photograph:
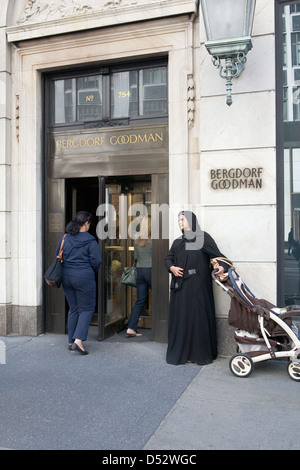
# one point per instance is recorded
(80, 218)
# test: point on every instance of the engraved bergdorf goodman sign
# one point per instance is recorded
(109, 141)
(236, 178)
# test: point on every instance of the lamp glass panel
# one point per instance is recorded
(226, 19)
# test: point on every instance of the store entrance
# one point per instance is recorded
(109, 200)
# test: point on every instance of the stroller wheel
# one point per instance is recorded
(241, 365)
(294, 371)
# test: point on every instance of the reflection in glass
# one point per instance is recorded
(153, 91)
(65, 100)
(119, 250)
(295, 40)
(78, 99)
(114, 259)
(296, 170)
(292, 225)
(131, 93)
(291, 116)
(89, 91)
(124, 94)
(150, 90)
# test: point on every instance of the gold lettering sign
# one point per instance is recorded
(79, 143)
(111, 141)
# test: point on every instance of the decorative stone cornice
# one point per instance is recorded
(42, 18)
(45, 10)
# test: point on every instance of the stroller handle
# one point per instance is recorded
(223, 284)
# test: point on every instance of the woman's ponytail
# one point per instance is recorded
(80, 219)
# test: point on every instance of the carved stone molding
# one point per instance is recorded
(17, 116)
(44, 18)
(191, 100)
(46, 10)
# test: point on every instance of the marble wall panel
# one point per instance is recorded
(5, 280)
(5, 188)
(5, 91)
(5, 142)
(258, 74)
(227, 169)
(243, 233)
(248, 123)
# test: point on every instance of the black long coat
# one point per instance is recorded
(192, 332)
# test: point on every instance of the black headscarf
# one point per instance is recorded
(195, 235)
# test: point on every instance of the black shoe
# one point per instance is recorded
(75, 347)
(70, 347)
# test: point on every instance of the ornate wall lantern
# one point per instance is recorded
(228, 25)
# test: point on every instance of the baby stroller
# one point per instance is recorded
(262, 331)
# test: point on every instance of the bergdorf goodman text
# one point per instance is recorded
(236, 178)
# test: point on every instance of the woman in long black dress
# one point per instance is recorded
(192, 325)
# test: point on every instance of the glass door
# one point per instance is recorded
(122, 201)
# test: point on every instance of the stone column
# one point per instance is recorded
(5, 170)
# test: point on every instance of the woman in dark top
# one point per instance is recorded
(81, 258)
(192, 325)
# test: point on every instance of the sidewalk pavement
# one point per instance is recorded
(124, 396)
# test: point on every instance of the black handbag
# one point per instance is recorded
(129, 276)
(53, 275)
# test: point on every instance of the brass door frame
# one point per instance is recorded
(55, 300)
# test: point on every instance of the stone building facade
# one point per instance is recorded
(221, 160)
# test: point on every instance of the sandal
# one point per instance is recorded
(132, 335)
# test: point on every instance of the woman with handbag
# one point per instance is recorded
(81, 259)
(143, 259)
(192, 335)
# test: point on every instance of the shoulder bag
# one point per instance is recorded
(129, 276)
(53, 275)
